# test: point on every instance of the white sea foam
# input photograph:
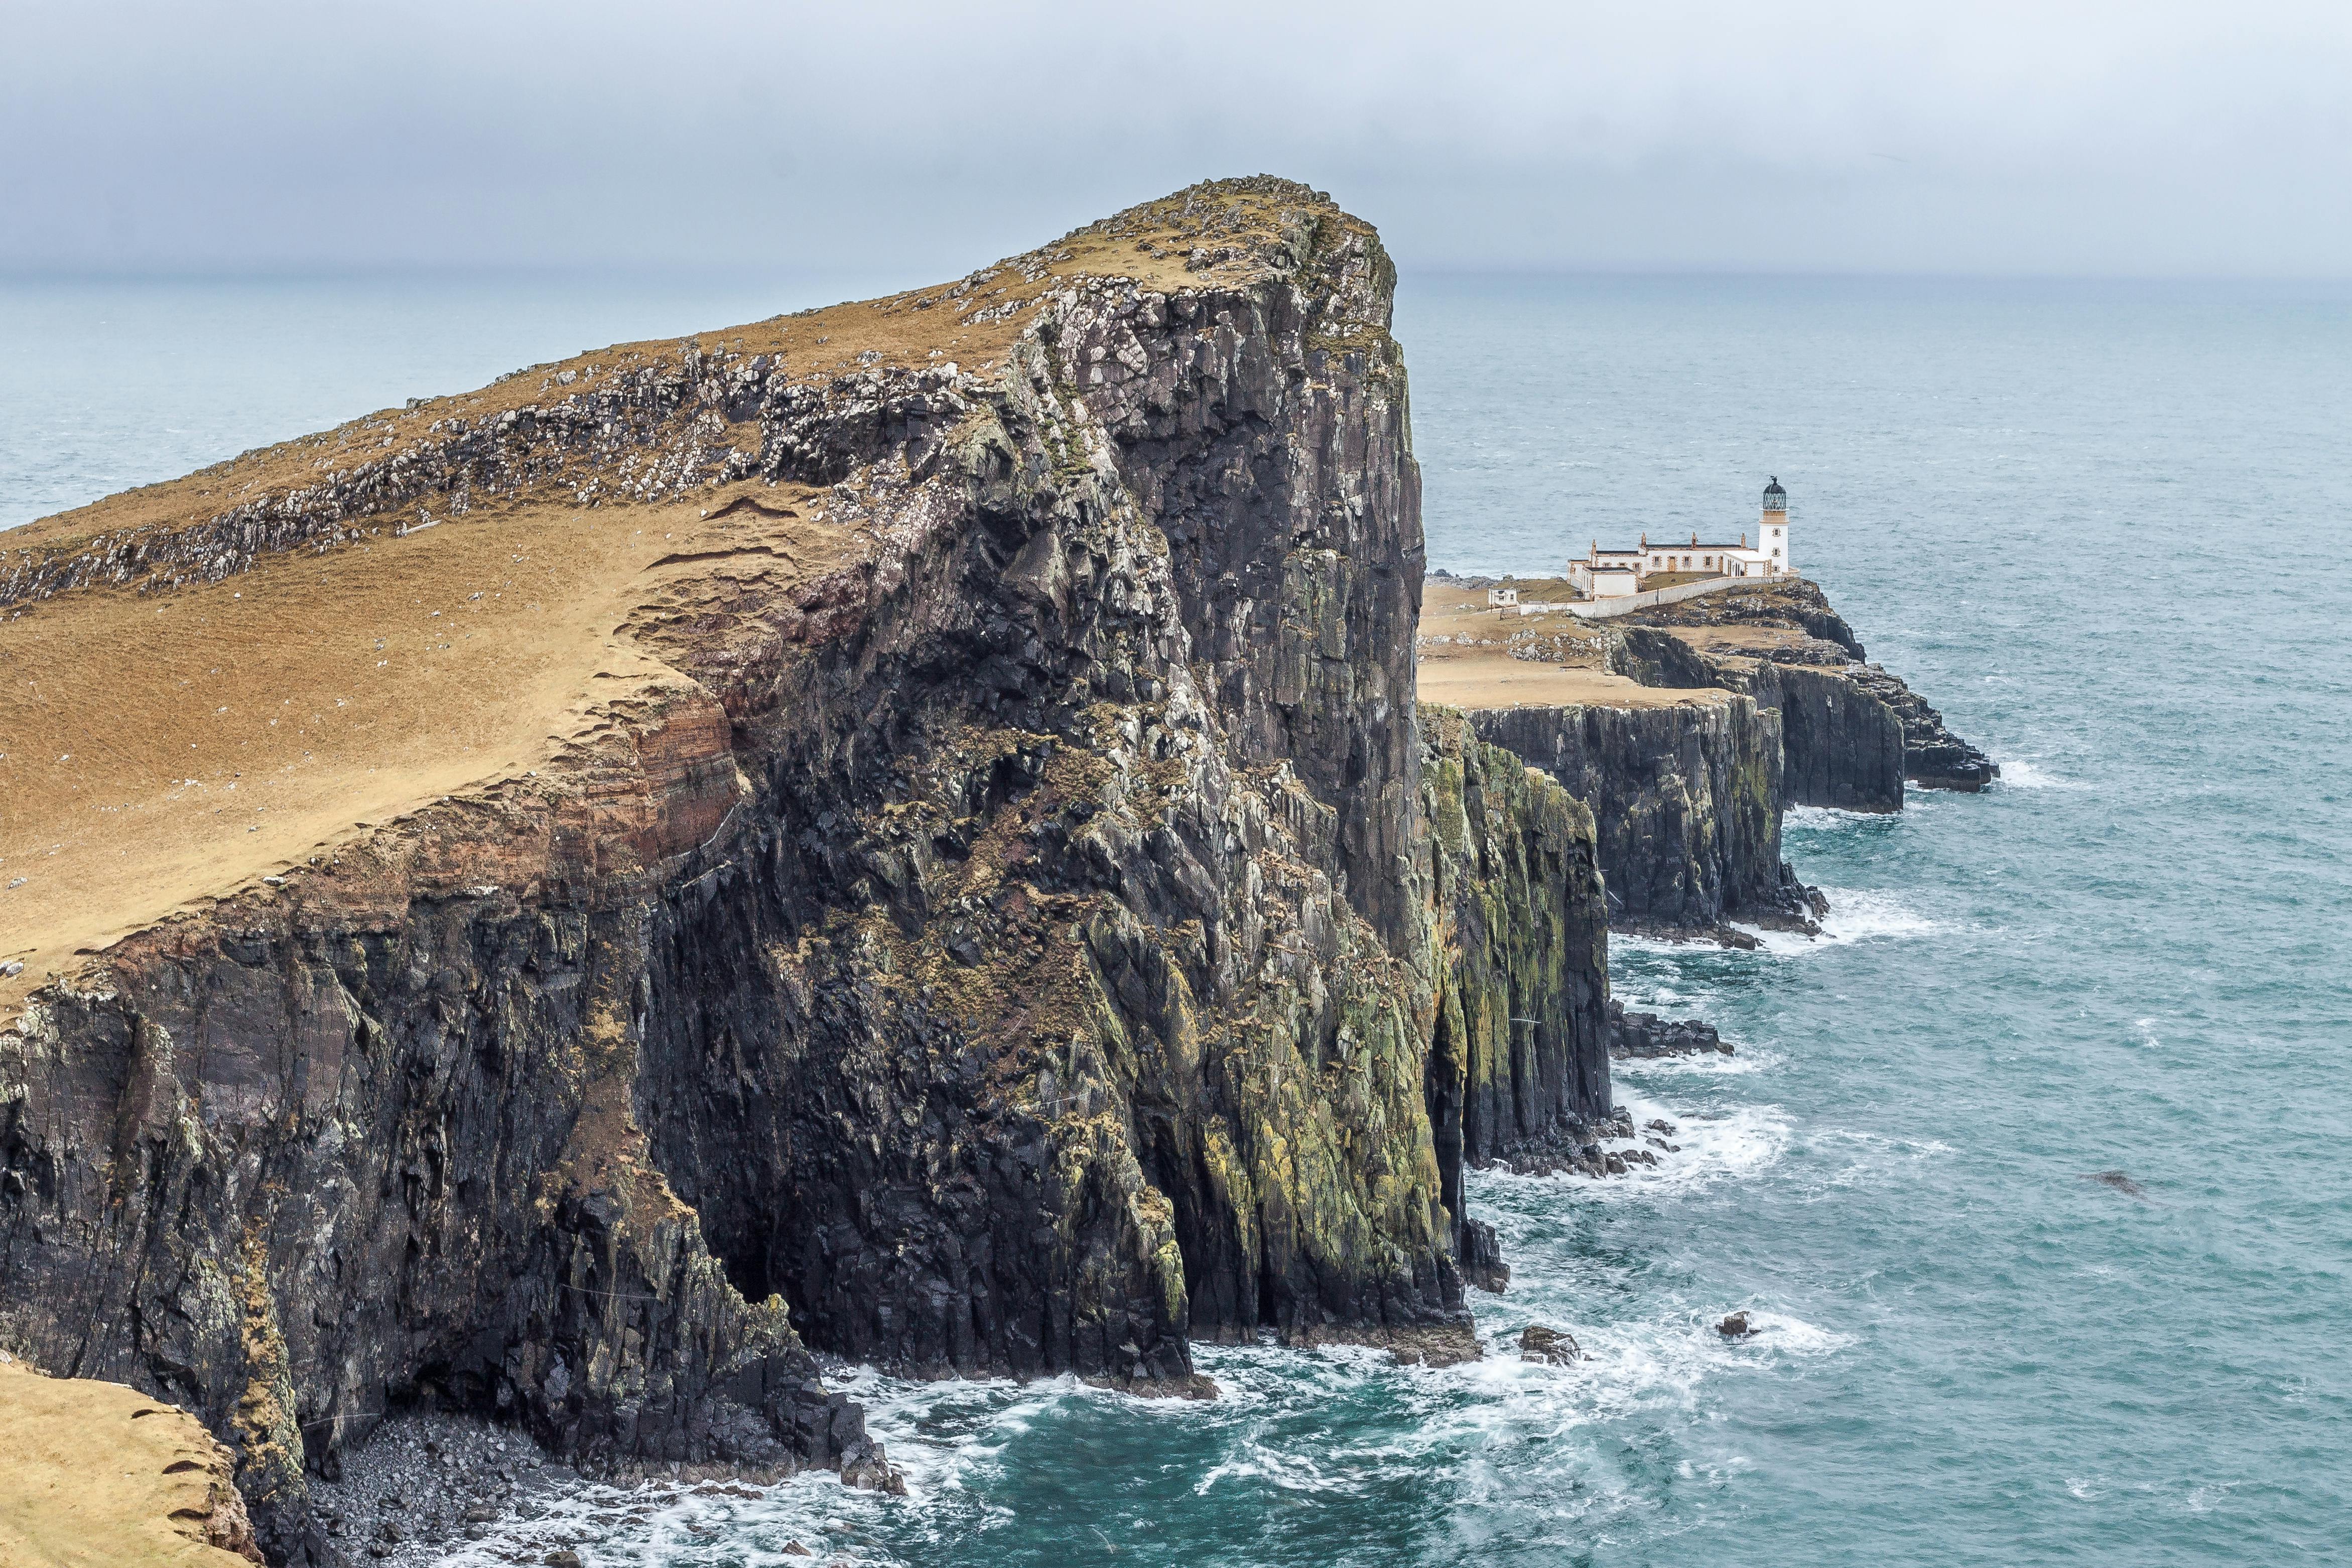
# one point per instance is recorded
(1855, 915)
(1626, 1367)
(670, 1523)
(1822, 819)
(2024, 773)
(1710, 1145)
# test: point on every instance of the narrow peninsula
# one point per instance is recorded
(942, 832)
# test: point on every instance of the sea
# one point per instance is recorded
(2034, 1170)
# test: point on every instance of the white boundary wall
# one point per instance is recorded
(1608, 609)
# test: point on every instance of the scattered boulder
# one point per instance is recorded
(1539, 1343)
(1735, 1327)
(1434, 1345)
(1644, 1035)
(2119, 1180)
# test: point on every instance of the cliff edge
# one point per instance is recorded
(898, 830)
(100, 1476)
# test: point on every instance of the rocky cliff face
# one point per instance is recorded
(1008, 937)
(1686, 802)
(1840, 745)
(1519, 1056)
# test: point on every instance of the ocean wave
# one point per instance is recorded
(1711, 1145)
(1622, 942)
(2024, 773)
(1824, 818)
(1855, 915)
(1699, 1063)
(1910, 1147)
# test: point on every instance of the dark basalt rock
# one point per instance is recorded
(1840, 745)
(1551, 1346)
(1517, 1057)
(1933, 756)
(1645, 1035)
(1024, 950)
(1685, 803)
(1852, 731)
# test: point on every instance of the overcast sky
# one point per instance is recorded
(2158, 137)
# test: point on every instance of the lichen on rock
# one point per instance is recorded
(985, 907)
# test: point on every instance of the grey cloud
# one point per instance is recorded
(2067, 137)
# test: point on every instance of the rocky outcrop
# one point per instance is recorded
(1638, 1035)
(1017, 948)
(1853, 731)
(301, 1165)
(1685, 801)
(1797, 603)
(1932, 755)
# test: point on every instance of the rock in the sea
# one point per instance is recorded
(1645, 1035)
(1735, 1326)
(1554, 1346)
(1433, 1347)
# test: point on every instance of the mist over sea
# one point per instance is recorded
(2104, 528)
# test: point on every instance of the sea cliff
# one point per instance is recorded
(905, 832)
(1687, 800)
(1689, 730)
(1853, 730)
(985, 905)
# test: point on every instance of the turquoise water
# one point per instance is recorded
(2100, 527)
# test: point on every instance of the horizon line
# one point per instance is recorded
(336, 271)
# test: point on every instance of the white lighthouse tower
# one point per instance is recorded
(1772, 540)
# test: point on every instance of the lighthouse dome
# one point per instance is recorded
(1775, 498)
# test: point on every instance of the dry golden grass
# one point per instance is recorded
(161, 749)
(1482, 674)
(100, 1476)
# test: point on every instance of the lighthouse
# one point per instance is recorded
(1772, 540)
(1616, 573)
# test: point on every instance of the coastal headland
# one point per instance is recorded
(936, 832)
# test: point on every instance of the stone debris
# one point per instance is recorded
(1555, 1347)
(1645, 1035)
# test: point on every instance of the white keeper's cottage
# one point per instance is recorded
(1614, 573)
